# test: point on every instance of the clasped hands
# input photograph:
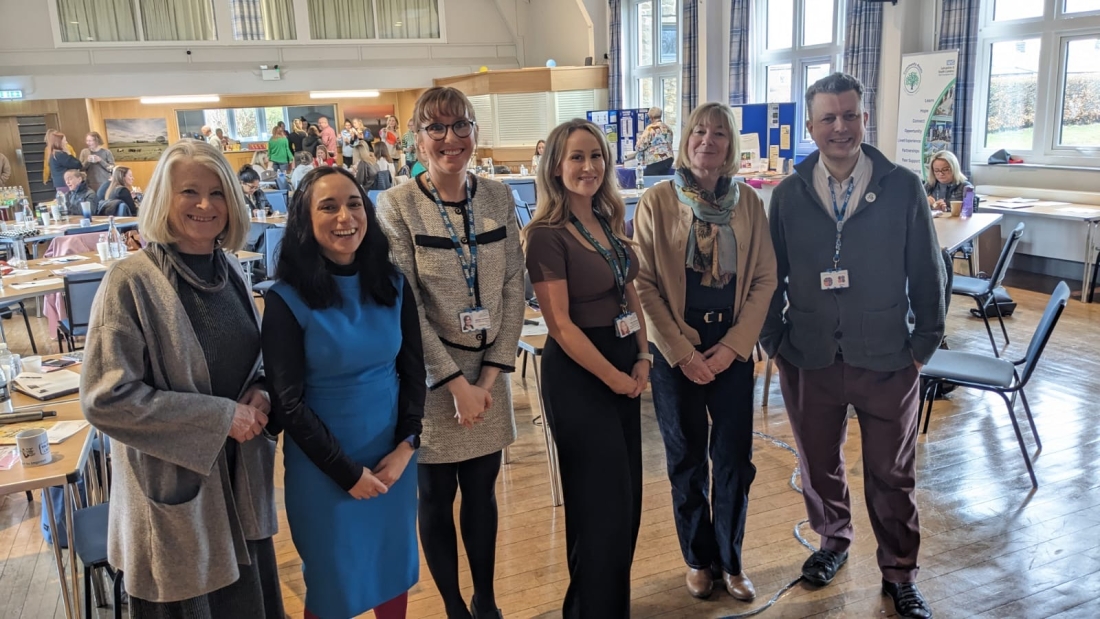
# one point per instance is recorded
(702, 368)
(250, 417)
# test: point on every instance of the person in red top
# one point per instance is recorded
(328, 136)
(323, 157)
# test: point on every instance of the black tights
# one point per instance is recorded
(438, 484)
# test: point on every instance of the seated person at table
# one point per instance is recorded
(121, 188)
(254, 197)
(303, 163)
(946, 182)
(321, 157)
(79, 191)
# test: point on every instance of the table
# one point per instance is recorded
(49, 233)
(69, 458)
(954, 232)
(1058, 230)
(534, 344)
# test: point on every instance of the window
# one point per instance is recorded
(263, 20)
(652, 43)
(1039, 81)
(250, 124)
(803, 43)
(85, 21)
(374, 19)
(178, 20)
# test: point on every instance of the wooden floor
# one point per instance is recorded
(991, 546)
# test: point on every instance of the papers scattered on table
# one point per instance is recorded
(52, 281)
(22, 272)
(81, 268)
(1010, 204)
(63, 260)
(536, 329)
(64, 429)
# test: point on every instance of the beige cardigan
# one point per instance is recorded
(661, 225)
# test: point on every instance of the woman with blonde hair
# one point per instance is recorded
(296, 136)
(946, 182)
(122, 188)
(59, 159)
(456, 238)
(706, 278)
(173, 377)
(594, 365)
(49, 139)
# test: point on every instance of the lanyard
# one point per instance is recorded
(619, 263)
(841, 212)
(469, 267)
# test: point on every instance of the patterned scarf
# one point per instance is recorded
(711, 246)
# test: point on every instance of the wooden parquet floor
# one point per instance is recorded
(991, 546)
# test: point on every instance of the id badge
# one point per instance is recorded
(627, 324)
(476, 319)
(834, 280)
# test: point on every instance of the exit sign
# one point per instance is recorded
(11, 94)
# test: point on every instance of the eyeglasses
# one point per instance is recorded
(941, 170)
(438, 131)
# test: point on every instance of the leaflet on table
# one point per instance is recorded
(750, 151)
(63, 260)
(81, 268)
(52, 281)
(539, 328)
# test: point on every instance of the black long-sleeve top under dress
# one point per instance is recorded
(284, 363)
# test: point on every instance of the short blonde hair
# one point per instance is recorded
(153, 219)
(715, 114)
(76, 174)
(553, 198)
(949, 157)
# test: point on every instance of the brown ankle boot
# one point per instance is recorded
(740, 587)
(700, 583)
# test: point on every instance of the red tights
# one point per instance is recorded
(393, 609)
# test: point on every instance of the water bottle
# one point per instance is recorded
(5, 368)
(639, 178)
(492, 169)
(115, 246)
(282, 179)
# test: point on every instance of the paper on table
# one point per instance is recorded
(535, 329)
(52, 281)
(64, 429)
(81, 268)
(22, 272)
(63, 260)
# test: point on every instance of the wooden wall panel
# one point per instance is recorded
(535, 79)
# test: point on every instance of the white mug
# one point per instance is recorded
(34, 447)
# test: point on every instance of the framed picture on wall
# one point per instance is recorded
(137, 139)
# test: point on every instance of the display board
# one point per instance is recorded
(926, 109)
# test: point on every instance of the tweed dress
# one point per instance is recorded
(423, 250)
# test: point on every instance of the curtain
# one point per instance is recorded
(740, 23)
(178, 20)
(689, 93)
(341, 19)
(263, 20)
(97, 20)
(862, 54)
(959, 30)
(408, 19)
(615, 61)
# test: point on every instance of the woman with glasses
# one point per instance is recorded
(946, 182)
(455, 237)
(254, 197)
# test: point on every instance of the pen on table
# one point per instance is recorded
(6, 418)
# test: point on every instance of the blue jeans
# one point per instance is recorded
(280, 166)
(710, 531)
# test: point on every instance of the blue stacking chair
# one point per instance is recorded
(80, 290)
(273, 239)
(649, 181)
(996, 375)
(373, 195)
(982, 290)
(523, 211)
(277, 200)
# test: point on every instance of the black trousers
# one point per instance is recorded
(709, 513)
(599, 440)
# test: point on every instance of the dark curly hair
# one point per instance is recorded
(302, 266)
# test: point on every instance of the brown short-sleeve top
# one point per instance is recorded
(555, 254)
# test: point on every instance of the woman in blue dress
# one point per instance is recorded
(345, 367)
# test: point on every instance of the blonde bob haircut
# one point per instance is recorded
(553, 198)
(716, 115)
(949, 158)
(440, 101)
(153, 219)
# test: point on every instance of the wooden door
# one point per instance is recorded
(11, 147)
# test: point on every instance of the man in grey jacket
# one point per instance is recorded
(856, 252)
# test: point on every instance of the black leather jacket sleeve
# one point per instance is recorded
(284, 363)
(411, 373)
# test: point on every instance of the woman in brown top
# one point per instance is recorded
(594, 365)
(706, 277)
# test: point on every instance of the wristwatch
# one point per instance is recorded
(644, 356)
(413, 440)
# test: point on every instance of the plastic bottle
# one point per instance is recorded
(5, 370)
(639, 178)
(115, 246)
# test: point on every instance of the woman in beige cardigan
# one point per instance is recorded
(706, 277)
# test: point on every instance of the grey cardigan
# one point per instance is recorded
(894, 264)
(178, 527)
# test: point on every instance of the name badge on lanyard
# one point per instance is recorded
(476, 318)
(627, 323)
(836, 278)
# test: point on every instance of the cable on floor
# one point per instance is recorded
(793, 482)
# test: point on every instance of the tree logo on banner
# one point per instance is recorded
(911, 78)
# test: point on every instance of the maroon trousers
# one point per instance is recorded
(886, 406)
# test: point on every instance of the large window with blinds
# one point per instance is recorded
(652, 48)
(1038, 81)
(374, 19)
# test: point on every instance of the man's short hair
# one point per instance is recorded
(834, 85)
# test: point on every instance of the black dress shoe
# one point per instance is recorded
(492, 614)
(908, 601)
(821, 567)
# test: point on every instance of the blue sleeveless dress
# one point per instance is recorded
(355, 554)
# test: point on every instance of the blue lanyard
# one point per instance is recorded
(620, 262)
(469, 267)
(841, 212)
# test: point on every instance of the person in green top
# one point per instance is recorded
(417, 169)
(278, 149)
